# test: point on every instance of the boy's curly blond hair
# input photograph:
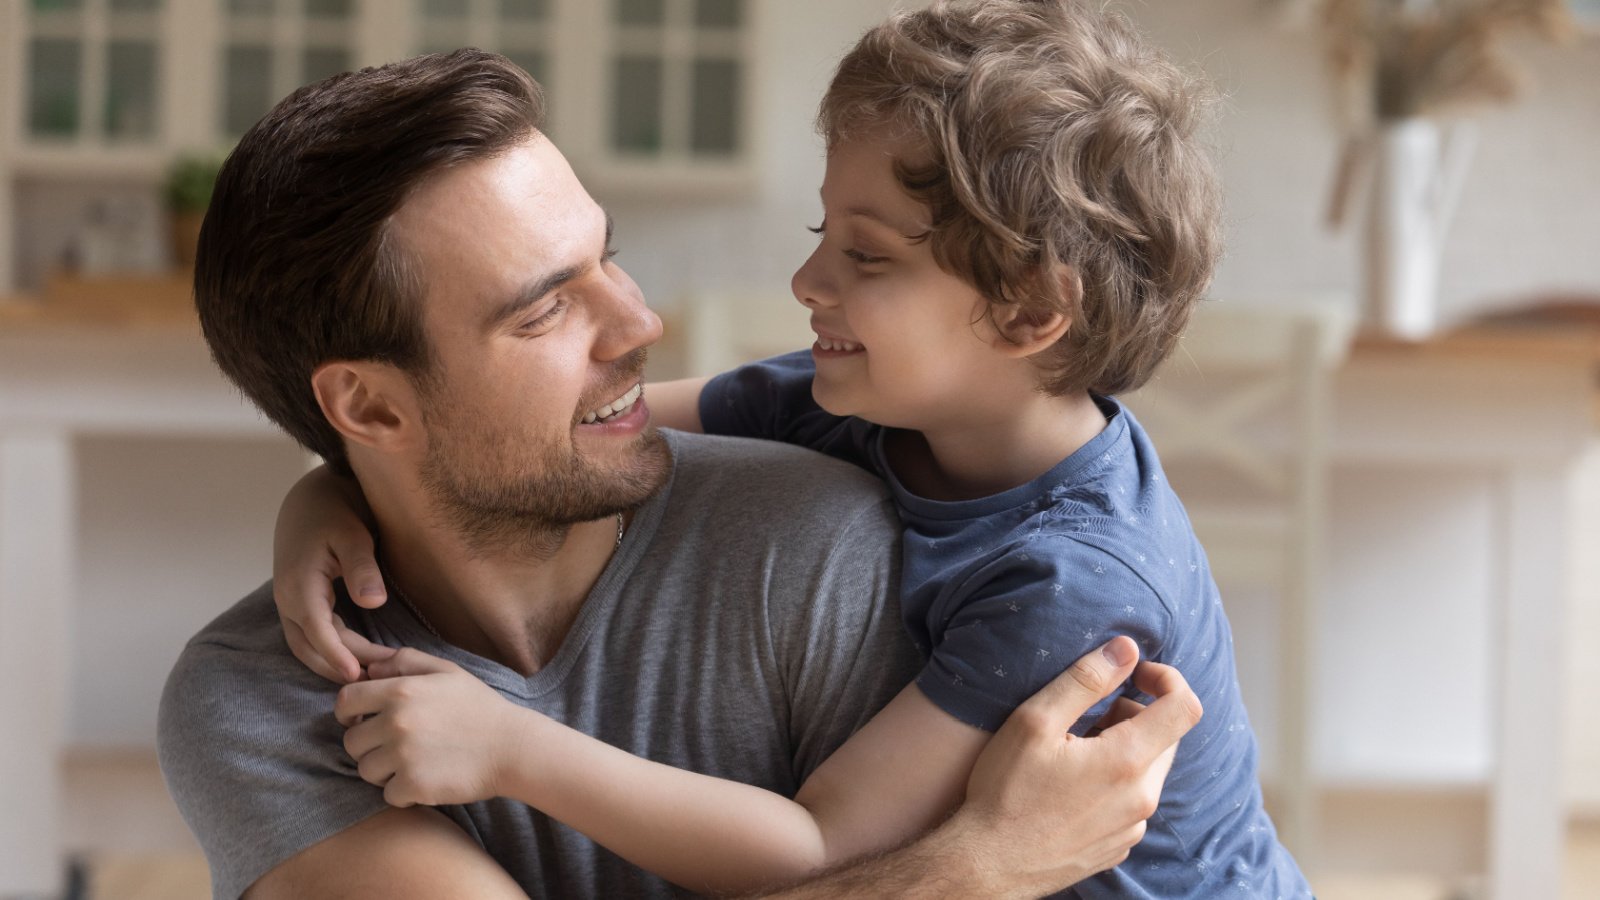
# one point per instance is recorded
(1048, 133)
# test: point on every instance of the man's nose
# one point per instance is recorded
(631, 324)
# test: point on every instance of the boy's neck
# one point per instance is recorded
(993, 453)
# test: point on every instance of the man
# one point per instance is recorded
(405, 274)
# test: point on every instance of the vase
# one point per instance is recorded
(1418, 167)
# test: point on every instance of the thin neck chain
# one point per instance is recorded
(429, 625)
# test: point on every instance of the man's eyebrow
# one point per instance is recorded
(536, 289)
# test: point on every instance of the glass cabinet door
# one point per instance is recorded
(93, 71)
(271, 47)
(677, 74)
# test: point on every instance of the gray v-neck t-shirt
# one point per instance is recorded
(744, 629)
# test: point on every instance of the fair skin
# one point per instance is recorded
(901, 342)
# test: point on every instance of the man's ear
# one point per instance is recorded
(370, 403)
(1022, 333)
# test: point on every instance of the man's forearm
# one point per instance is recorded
(947, 862)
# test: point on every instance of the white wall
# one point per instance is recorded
(172, 531)
(1526, 226)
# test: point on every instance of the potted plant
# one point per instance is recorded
(188, 186)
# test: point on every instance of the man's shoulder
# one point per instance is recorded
(781, 475)
(250, 749)
(250, 625)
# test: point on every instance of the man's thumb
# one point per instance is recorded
(1093, 677)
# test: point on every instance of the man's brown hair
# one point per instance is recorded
(297, 266)
(1046, 133)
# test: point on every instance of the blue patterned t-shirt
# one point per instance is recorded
(1002, 593)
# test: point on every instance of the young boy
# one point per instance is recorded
(1017, 222)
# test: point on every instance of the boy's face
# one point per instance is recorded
(900, 341)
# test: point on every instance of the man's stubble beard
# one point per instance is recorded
(501, 495)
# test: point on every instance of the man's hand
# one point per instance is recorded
(427, 731)
(1046, 809)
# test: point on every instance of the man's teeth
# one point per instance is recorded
(621, 404)
(836, 344)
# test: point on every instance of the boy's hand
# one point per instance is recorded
(321, 537)
(428, 732)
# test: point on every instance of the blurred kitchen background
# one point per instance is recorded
(1385, 427)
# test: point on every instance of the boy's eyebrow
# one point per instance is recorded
(531, 292)
(867, 212)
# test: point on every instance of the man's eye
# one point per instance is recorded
(818, 229)
(546, 317)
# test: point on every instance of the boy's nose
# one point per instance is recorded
(811, 290)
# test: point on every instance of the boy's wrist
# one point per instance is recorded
(515, 754)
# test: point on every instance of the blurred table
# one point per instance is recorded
(1508, 405)
(92, 357)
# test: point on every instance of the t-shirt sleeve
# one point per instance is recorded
(1023, 617)
(255, 760)
(771, 400)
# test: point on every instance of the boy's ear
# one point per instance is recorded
(1022, 333)
(370, 403)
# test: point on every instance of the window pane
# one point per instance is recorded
(636, 106)
(523, 9)
(249, 86)
(130, 89)
(641, 12)
(251, 7)
(54, 67)
(320, 62)
(715, 127)
(717, 13)
(328, 9)
(135, 5)
(532, 62)
(444, 9)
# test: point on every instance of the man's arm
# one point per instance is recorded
(1044, 809)
(396, 854)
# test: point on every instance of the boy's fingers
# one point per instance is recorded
(357, 701)
(365, 651)
(358, 564)
(323, 633)
(1085, 683)
(408, 661)
(303, 650)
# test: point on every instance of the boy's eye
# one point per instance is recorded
(818, 229)
(863, 258)
(609, 255)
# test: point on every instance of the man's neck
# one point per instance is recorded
(513, 606)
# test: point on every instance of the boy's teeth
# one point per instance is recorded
(831, 344)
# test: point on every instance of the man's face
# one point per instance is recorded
(531, 409)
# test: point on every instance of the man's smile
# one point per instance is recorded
(615, 407)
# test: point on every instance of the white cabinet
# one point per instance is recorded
(647, 96)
